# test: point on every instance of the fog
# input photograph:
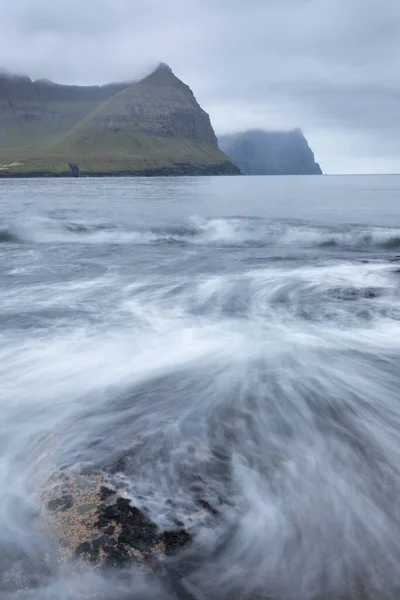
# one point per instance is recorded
(327, 66)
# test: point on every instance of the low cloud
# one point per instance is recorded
(328, 66)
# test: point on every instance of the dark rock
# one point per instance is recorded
(92, 522)
(83, 548)
(352, 294)
(120, 464)
(179, 523)
(109, 530)
(63, 503)
(136, 531)
(175, 541)
(204, 504)
(116, 556)
(106, 492)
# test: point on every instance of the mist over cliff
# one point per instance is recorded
(154, 126)
(259, 152)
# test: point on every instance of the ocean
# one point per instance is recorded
(243, 335)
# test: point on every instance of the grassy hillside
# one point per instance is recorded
(153, 127)
(117, 154)
(32, 112)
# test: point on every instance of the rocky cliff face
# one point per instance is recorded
(271, 153)
(33, 111)
(152, 127)
(159, 105)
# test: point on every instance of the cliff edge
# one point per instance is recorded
(258, 152)
(152, 127)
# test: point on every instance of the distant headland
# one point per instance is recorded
(150, 127)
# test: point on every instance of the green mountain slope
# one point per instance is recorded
(34, 111)
(271, 153)
(153, 127)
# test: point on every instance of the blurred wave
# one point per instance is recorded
(271, 391)
(225, 231)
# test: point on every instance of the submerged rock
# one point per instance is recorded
(92, 522)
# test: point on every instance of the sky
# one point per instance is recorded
(329, 67)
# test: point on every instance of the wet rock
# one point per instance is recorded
(83, 548)
(174, 541)
(370, 294)
(207, 506)
(63, 503)
(353, 293)
(106, 492)
(90, 521)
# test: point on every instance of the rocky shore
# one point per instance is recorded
(181, 170)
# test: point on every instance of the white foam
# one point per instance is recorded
(297, 384)
(201, 231)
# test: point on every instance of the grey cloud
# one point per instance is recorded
(328, 66)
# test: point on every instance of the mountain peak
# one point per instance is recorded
(150, 127)
(163, 67)
(163, 76)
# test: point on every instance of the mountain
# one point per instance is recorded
(259, 152)
(33, 111)
(151, 127)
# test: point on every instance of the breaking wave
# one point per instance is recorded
(199, 369)
(198, 231)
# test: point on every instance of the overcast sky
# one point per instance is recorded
(330, 67)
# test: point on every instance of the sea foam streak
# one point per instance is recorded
(272, 391)
(298, 410)
(201, 231)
